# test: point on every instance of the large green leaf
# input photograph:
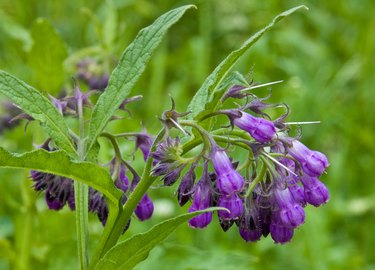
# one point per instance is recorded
(47, 56)
(131, 65)
(59, 163)
(127, 254)
(40, 108)
(204, 101)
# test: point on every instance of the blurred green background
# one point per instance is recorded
(325, 57)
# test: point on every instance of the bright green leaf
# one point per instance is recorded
(59, 163)
(46, 57)
(127, 254)
(131, 65)
(201, 103)
(39, 107)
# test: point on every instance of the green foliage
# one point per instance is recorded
(39, 107)
(59, 163)
(127, 254)
(203, 101)
(47, 56)
(131, 66)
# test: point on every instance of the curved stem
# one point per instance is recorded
(116, 224)
(255, 182)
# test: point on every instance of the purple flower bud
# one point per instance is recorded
(235, 92)
(95, 200)
(71, 199)
(167, 151)
(291, 213)
(202, 200)
(260, 129)
(122, 182)
(249, 225)
(103, 212)
(280, 233)
(145, 208)
(144, 142)
(313, 163)
(229, 180)
(185, 187)
(316, 193)
(233, 203)
(297, 192)
(172, 176)
(53, 202)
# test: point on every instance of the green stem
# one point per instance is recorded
(117, 221)
(255, 182)
(81, 199)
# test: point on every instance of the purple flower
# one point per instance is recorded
(53, 202)
(260, 129)
(145, 208)
(202, 200)
(229, 180)
(185, 187)
(144, 141)
(313, 163)
(279, 232)
(316, 193)
(291, 214)
(122, 181)
(249, 226)
(233, 203)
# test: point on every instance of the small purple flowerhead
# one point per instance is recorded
(313, 163)
(144, 141)
(279, 232)
(262, 130)
(233, 203)
(168, 151)
(185, 187)
(122, 181)
(316, 193)
(228, 181)
(145, 208)
(249, 224)
(291, 214)
(202, 200)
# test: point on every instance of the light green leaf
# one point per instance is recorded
(131, 66)
(201, 103)
(40, 108)
(127, 254)
(46, 57)
(59, 163)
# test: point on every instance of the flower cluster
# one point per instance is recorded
(280, 173)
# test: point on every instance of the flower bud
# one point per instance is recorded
(233, 203)
(262, 130)
(145, 208)
(316, 193)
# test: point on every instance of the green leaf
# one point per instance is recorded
(131, 66)
(132, 251)
(46, 57)
(203, 101)
(40, 108)
(59, 163)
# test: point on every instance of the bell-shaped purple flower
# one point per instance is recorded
(202, 200)
(53, 202)
(316, 193)
(233, 203)
(145, 208)
(279, 232)
(185, 187)
(249, 224)
(312, 162)
(291, 214)
(262, 130)
(229, 181)
(144, 141)
(122, 181)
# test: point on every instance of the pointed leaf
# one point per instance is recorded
(39, 107)
(59, 163)
(131, 66)
(203, 101)
(132, 251)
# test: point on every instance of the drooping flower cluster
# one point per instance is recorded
(267, 195)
